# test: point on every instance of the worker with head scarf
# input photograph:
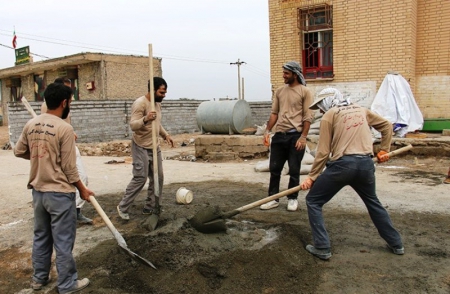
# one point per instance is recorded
(291, 118)
(346, 149)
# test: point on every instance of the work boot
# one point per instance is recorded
(324, 254)
(447, 180)
(270, 205)
(292, 204)
(38, 286)
(123, 215)
(399, 250)
(79, 285)
(83, 220)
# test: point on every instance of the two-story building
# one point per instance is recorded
(353, 44)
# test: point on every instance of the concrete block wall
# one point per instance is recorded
(104, 121)
(179, 116)
(93, 121)
(260, 112)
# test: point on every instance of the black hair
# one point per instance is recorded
(55, 93)
(157, 82)
(62, 80)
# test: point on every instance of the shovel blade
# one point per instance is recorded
(208, 220)
(137, 257)
(152, 222)
(211, 227)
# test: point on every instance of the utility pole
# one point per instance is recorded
(238, 63)
(243, 89)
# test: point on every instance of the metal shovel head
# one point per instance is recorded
(137, 257)
(152, 221)
(209, 220)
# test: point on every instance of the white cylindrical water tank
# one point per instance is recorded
(224, 117)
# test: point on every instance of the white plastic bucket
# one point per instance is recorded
(184, 196)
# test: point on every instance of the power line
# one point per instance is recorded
(100, 48)
(63, 42)
(30, 52)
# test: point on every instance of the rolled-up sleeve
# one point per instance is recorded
(308, 114)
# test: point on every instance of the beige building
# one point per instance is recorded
(94, 76)
(355, 43)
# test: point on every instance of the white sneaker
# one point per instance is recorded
(270, 205)
(292, 205)
(79, 285)
(123, 215)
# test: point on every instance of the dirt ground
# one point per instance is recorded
(261, 252)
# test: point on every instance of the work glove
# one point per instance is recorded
(307, 184)
(266, 141)
(382, 156)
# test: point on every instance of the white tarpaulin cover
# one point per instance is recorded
(395, 102)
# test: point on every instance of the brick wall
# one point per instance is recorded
(371, 38)
(433, 58)
(285, 42)
(103, 121)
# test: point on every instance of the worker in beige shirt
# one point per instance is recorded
(48, 142)
(142, 151)
(291, 118)
(346, 148)
(81, 219)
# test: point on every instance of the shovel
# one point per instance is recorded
(117, 235)
(152, 221)
(212, 220)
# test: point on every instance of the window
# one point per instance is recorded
(16, 88)
(39, 87)
(317, 49)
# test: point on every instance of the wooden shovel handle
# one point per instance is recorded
(108, 222)
(298, 188)
(395, 152)
(154, 127)
(267, 199)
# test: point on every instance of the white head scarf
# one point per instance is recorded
(332, 98)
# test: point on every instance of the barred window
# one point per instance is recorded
(316, 24)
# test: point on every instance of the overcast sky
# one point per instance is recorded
(197, 39)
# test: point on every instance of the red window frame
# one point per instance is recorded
(316, 26)
(317, 54)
